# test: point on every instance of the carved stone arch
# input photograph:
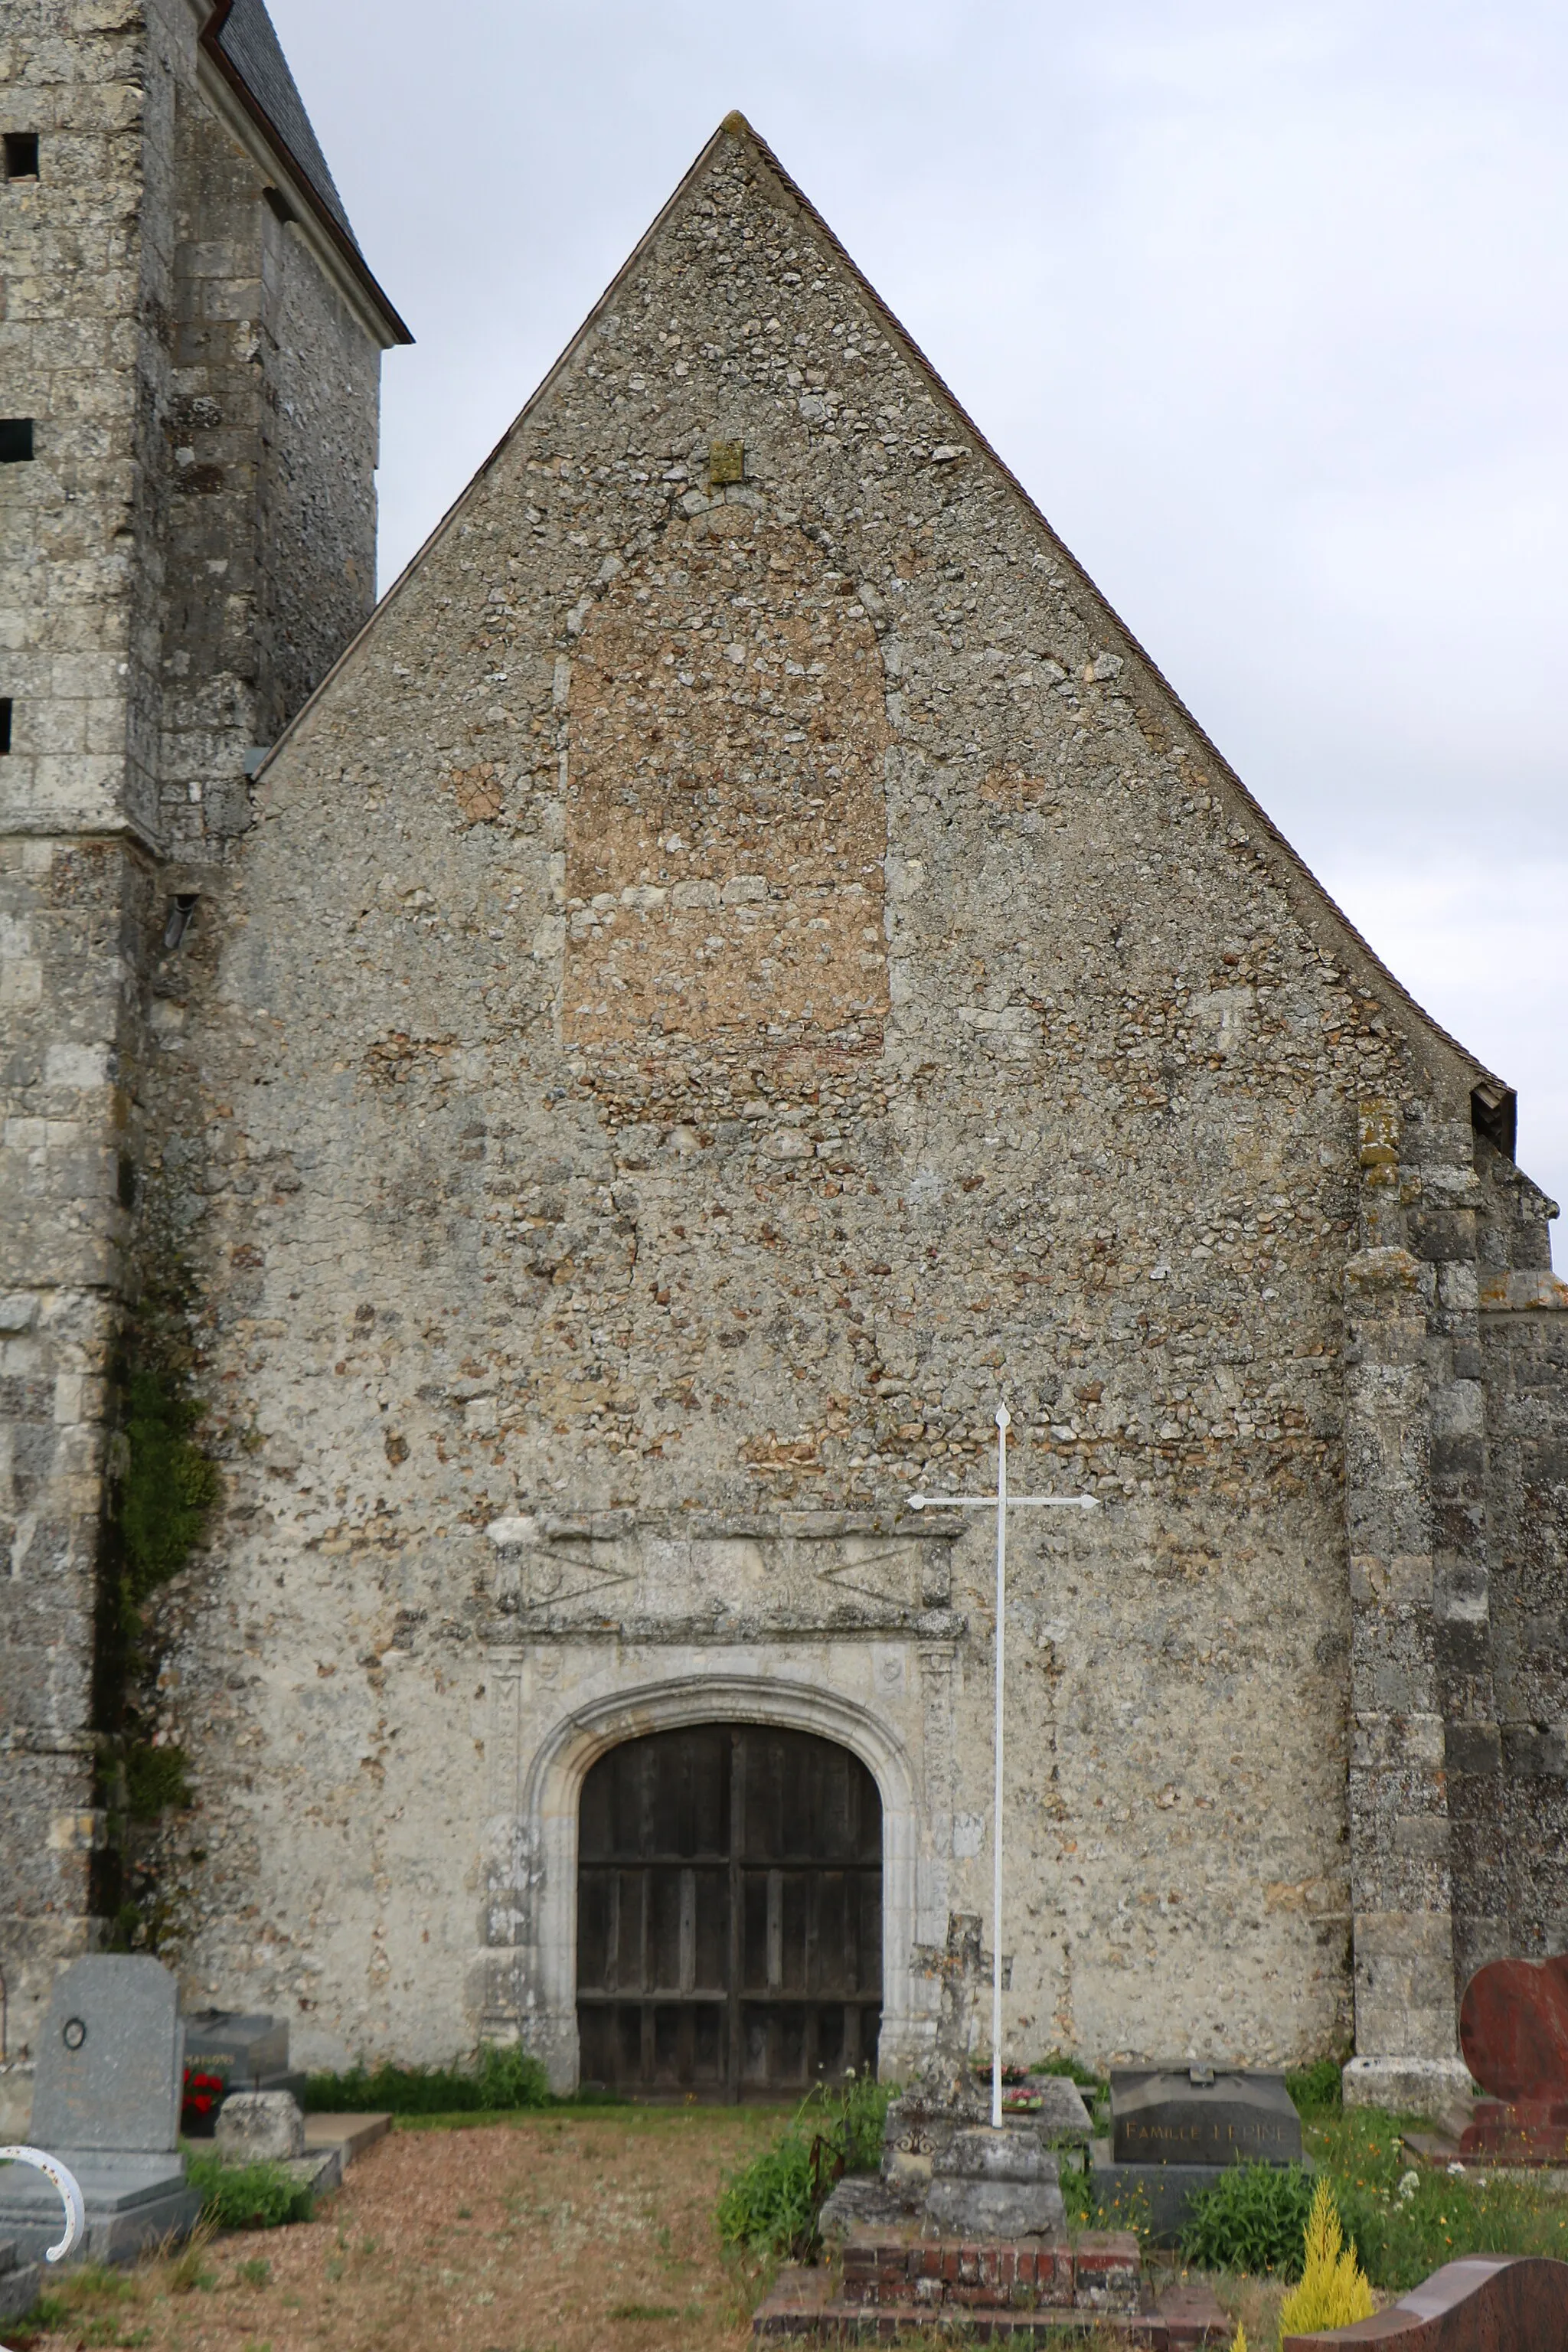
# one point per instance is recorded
(726, 823)
(551, 1788)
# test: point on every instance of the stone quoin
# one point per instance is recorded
(740, 962)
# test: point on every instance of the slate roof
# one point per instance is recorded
(240, 38)
(247, 40)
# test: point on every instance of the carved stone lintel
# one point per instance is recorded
(706, 1576)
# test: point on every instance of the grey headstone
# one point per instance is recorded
(260, 2126)
(111, 2058)
(1202, 2114)
(20, 2286)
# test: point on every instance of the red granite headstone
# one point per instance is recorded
(1513, 2031)
(1489, 2302)
(1513, 2028)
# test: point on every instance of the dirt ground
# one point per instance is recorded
(529, 2233)
(547, 2233)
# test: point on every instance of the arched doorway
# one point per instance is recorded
(728, 1913)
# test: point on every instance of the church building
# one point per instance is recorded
(741, 966)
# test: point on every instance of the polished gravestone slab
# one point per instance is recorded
(1202, 2114)
(106, 2101)
(1487, 2303)
(1176, 2129)
(1513, 2032)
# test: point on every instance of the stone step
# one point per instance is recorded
(1191, 2314)
(352, 2134)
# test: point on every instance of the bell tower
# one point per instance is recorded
(189, 387)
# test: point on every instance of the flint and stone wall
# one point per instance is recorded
(185, 553)
(745, 963)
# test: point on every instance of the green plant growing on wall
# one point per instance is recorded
(169, 1488)
(155, 1777)
(165, 1491)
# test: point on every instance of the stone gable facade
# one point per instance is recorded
(743, 963)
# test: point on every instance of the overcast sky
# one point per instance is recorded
(1264, 303)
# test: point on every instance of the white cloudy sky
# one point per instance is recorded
(1264, 303)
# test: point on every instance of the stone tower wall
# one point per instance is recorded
(163, 329)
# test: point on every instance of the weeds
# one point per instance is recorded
(1317, 2090)
(1076, 2072)
(91, 2301)
(504, 2079)
(1405, 2221)
(1401, 2220)
(1087, 2208)
(247, 2196)
(187, 2272)
(773, 2205)
(1253, 2219)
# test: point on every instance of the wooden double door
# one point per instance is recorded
(728, 1913)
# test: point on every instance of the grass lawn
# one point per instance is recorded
(532, 2232)
(1407, 2221)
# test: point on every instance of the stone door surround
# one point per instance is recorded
(551, 1788)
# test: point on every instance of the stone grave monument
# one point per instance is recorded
(227, 2052)
(963, 2220)
(1175, 2128)
(106, 2101)
(267, 2127)
(944, 2168)
(1513, 2032)
(965, 2224)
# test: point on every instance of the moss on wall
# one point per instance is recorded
(166, 1490)
(169, 1487)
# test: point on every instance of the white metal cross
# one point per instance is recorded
(1001, 1503)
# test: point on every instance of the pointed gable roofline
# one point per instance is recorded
(1493, 1102)
(240, 42)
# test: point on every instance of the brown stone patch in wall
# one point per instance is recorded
(767, 1455)
(396, 1059)
(726, 825)
(479, 791)
(1009, 787)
